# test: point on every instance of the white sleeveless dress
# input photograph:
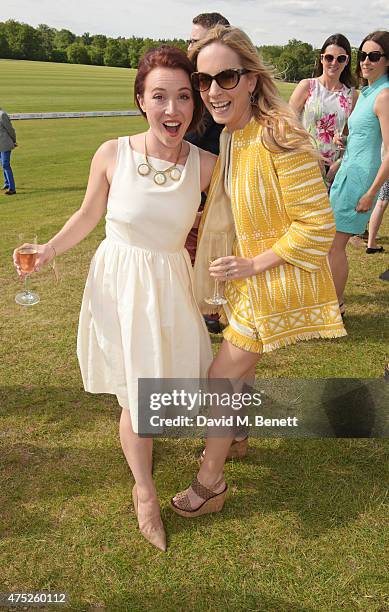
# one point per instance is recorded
(139, 317)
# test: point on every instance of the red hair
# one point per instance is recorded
(167, 57)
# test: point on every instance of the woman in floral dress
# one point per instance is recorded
(326, 101)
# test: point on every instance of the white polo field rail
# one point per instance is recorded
(74, 115)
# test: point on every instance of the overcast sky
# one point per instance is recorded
(266, 21)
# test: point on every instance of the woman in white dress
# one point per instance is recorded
(139, 318)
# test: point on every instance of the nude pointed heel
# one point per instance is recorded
(155, 534)
(213, 502)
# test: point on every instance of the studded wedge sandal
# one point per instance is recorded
(213, 502)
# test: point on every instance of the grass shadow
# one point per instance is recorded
(376, 296)
(326, 483)
(60, 189)
(198, 598)
(53, 455)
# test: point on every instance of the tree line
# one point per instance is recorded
(293, 61)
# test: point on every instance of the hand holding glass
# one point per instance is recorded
(27, 256)
(338, 138)
(217, 249)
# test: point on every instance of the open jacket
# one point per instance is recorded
(7, 133)
(278, 201)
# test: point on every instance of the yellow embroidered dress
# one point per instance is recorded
(272, 200)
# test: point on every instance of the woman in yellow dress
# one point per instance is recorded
(268, 195)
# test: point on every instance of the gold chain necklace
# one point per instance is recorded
(160, 176)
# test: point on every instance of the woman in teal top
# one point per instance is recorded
(361, 174)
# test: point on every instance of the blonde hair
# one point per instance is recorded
(282, 130)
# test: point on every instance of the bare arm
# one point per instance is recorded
(85, 219)
(381, 109)
(207, 164)
(299, 96)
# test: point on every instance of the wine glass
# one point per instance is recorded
(339, 129)
(27, 257)
(217, 248)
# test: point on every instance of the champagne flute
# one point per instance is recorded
(339, 129)
(217, 248)
(27, 257)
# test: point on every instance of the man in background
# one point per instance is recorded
(7, 143)
(202, 23)
(207, 139)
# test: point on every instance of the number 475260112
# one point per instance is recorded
(38, 598)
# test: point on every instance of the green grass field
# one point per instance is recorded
(303, 529)
(47, 87)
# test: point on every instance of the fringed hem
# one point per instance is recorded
(316, 335)
(242, 342)
(257, 346)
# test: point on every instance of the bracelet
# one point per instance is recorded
(52, 246)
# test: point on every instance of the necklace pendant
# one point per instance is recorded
(160, 178)
(175, 174)
(143, 169)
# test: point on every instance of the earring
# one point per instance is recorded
(253, 100)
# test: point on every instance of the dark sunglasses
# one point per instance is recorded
(374, 56)
(192, 41)
(330, 58)
(227, 79)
